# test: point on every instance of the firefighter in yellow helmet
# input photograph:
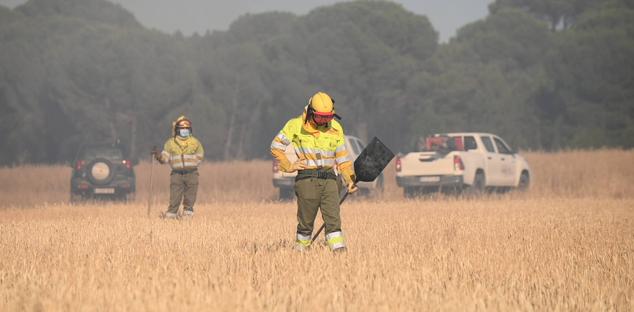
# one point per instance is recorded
(184, 153)
(319, 143)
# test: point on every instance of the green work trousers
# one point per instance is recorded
(313, 194)
(183, 188)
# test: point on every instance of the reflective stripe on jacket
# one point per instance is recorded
(317, 147)
(183, 153)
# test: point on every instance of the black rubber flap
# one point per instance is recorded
(373, 159)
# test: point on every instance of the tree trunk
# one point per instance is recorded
(232, 120)
(133, 121)
(229, 140)
(240, 148)
(112, 120)
(245, 134)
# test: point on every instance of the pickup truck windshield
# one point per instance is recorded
(502, 148)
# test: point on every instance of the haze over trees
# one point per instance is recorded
(545, 74)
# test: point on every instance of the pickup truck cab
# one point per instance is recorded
(285, 181)
(457, 162)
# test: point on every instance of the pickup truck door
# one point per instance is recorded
(493, 160)
(508, 162)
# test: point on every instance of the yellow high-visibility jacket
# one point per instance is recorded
(182, 154)
(317, 147)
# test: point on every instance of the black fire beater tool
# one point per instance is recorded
(368, 166)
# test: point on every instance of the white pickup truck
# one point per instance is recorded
(457, 162)
(285, 181)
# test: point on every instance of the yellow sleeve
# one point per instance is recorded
(344, 162)
(200, 151)
(165, 154)
(279, 144)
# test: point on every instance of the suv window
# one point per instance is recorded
(359, 146)
(353, 146)
(488, 144)
(470, 143)
(101, 152)
(502, 148)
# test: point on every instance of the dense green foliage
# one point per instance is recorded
(543, 74)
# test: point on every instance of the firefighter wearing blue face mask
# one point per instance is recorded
(184, 153)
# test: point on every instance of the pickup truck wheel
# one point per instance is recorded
(477, 188)
(524, 183)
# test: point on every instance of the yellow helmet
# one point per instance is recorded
(321, 109)
(322, 103)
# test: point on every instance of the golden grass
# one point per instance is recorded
(600, 173)
(567, 244)
(491, 254)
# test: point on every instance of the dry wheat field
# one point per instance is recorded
(566, 244)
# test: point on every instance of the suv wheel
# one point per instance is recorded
(75, 198)
(286, 193)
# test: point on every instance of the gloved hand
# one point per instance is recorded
(352, 188)
(156, 154)
(298, 165)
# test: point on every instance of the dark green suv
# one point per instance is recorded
(102, 172)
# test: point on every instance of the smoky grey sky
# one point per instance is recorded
(191, 16)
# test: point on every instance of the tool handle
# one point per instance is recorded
(343, 195)
(156, 154)
(149, 197)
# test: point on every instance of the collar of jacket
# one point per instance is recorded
(315, 130)
(183, 142)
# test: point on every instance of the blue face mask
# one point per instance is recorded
(184, 133)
